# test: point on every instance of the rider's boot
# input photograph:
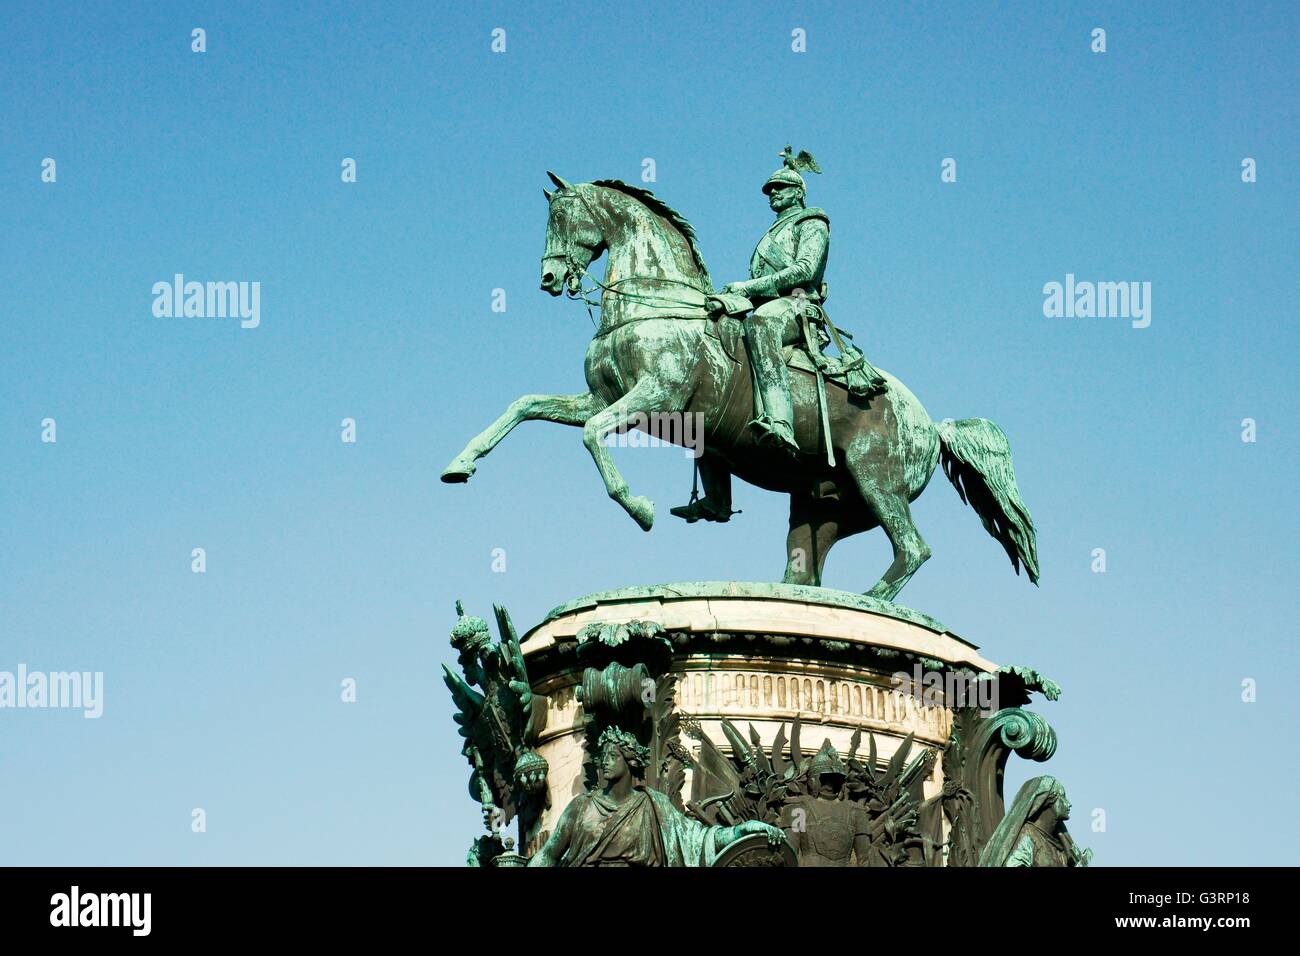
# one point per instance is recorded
(775, 428)
(775, 425)
(702, 509)
(715, 504)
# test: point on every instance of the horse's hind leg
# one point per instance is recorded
(910, 549)
(814, 528)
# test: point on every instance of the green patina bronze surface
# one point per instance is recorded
(979, 746)
(631, 813)
(1033, 832)
(625, 823)
(835, 812)
(754, 589)
(669, 343)
(500, 722)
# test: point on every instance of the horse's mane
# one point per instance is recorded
(658, 206)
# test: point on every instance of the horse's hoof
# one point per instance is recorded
(458, 472)
(883, 593)
(642, 510)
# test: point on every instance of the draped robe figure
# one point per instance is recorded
(644, 830)
(1033, 831)
(627, 824)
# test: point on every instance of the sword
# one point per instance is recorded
(826, 420)
(821, 387)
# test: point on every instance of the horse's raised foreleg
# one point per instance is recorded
(562, 409)
(646, 396)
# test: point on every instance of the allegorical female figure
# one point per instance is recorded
(1033, 831)
(627, 824)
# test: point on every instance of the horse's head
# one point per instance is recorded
(573, 237)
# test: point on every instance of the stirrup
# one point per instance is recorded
(701, 509)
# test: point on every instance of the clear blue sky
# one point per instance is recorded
(328, 560)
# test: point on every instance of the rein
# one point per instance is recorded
(652, 300)
(649, 299)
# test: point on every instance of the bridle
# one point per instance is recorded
(573, 269)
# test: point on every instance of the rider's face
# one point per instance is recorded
(782, 197)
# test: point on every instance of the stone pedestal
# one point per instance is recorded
(760, 654)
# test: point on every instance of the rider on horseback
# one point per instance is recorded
(786, 273)
(782, 305)
(655, 350)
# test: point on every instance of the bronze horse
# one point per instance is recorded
(661, 348)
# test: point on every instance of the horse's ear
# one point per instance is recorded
(557, 180)
(548, 194)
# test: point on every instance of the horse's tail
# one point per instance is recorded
(977, 460)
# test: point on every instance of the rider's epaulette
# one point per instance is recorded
(814, 212)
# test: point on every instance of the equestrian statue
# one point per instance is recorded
(850, 444)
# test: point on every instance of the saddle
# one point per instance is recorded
(850, 369)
